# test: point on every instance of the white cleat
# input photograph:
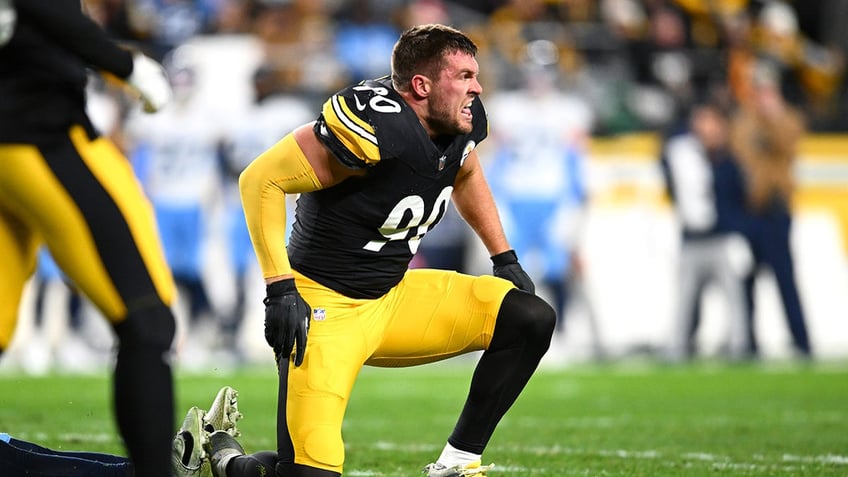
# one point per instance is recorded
(223, 413)
(187, 452)
(474, 468)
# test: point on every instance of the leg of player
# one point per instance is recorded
(143, 386)
(18, 457)
(522, 335)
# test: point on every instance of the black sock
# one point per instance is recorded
(260, 464)
(522, 335)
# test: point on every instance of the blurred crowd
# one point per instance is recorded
(639, 63)
(555, 73)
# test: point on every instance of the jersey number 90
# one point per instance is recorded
(392, 229)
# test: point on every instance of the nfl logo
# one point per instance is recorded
(319, 314)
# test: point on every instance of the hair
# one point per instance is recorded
(422, 49)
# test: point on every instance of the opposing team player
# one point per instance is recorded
(375, 173)
(63, 184)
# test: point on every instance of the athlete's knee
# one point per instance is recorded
(148, 327)
(322, 449)
(526, 317)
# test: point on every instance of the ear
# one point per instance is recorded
(421, 86)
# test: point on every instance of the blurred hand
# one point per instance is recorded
(149, 80)
(8, 18)
(505, 265)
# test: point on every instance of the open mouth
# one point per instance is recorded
(466, 112)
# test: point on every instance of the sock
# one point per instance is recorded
(452, 456)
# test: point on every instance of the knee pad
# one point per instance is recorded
(524, 316)
(148, 327)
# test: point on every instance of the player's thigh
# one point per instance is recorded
(84, 199)
(18, 247)
(437, 314)
(319, 389)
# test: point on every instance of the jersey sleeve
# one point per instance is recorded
(345, 127)
(65, 22)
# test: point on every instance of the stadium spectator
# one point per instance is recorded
(364, 35)
(706, 185)
(65, 186)
(375, 173)
(764, 136)
(810, 74)
(298, 42)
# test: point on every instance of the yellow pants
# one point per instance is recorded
(431, 315)
(78, 195)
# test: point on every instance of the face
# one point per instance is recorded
(449, 105)
(709, 125)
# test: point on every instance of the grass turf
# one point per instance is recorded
(630, 420)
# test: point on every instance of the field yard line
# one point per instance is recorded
(72, 438)
(716, 461)
(819, 459)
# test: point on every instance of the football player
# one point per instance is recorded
(64, 185)
(375, 172)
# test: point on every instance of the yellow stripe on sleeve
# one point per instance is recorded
(355, 134)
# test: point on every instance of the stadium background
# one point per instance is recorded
(630, 237)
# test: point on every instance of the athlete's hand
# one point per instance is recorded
(286, 320)
(8, 18)
(505, 265)
(150, 82)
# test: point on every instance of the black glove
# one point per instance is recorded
(506, 266)
(286, 320)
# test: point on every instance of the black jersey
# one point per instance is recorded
(43, 68)
(359, 236)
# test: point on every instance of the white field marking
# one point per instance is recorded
(759, 462)
(819, 459)
(392, 447)
(69, 437)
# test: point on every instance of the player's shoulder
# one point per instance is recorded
(373, 101)
(357, 117)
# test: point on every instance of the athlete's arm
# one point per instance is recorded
(473, 200)
(298, 163)
(65, 22)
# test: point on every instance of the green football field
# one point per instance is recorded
(630, 420)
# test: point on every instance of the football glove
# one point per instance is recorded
(505, 265)
(286, 320)
(8, 18)
(149, 81)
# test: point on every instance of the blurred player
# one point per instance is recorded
(538, 172)
(176, 155)
(274, 112)
(65, 186)
(376, 172)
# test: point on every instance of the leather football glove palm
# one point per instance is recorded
(505, 265)
(149, 81)
(287, 318)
